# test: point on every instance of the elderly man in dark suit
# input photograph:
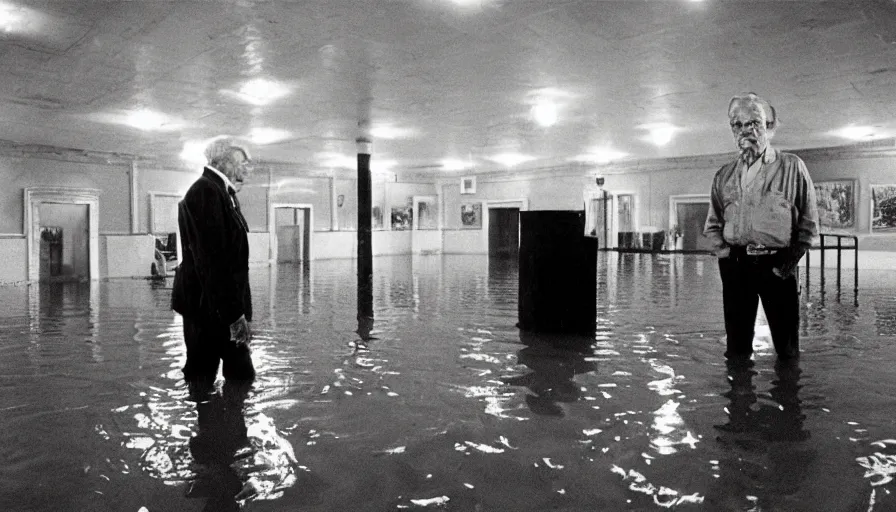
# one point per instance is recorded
(211, 287)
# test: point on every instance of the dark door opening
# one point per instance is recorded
(691, 218)
(504, 232)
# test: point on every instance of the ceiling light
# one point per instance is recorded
(659, 134)
(454, 164)
(855, 132)
(510, 159)
(545, 113)
(263, 136)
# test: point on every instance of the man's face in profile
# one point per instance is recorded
(748, 125)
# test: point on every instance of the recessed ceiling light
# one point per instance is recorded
(545, 113)
(511, 159)
(855, 132)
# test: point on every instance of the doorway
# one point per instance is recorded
(503, 232)
(689, 215)
(61, 229)
(292, 225)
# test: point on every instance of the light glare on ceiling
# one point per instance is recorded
(599, 156)
(263, 136)
(659, 134)
(856, 132)
(259, 91)
(511, 159)
(545, 113)
(387, 131)
(149, 120)
(455, 164)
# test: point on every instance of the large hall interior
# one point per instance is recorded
(473, 114)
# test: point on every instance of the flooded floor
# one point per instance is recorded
(449, 408)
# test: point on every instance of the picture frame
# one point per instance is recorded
(471, 215)
(402, 218)
(883, 209)
(836, 203)
(468, 185)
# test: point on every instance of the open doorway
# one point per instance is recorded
(61, 227)
(503, 232)
(688, 215)
(292, 229)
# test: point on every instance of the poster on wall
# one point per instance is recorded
(402, 218)
(471, 215)
(883, 208)
(836, 203)
(376, 218)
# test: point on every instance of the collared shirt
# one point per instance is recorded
(227, 183)
(776, 208)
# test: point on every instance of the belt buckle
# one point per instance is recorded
(756, 250)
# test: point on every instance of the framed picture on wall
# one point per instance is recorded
(468, 185)
(883, 209)
(836, 201)
(402, 218)
(471, 215)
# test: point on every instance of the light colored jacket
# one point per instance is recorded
(776, 210)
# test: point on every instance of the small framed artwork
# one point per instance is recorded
(836, 203)
(402, 218)
(468, 185)
(883, 209)
(471, 215)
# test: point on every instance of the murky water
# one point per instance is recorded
(449, 408)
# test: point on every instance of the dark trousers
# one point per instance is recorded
(208, 343)
(745, 280)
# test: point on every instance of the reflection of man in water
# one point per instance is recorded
(764, 434)
(554, 361)
(221, 436)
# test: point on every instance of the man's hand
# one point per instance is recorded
(724, 252)
(239, 331)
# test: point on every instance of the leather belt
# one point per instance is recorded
(759, 250)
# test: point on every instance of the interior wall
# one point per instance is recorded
(159, 180)
(18, 173)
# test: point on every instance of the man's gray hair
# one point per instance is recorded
(771, 117)
(218, 149)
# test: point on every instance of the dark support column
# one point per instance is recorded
(365, 249)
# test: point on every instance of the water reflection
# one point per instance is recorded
(220, 439)
(765, 458)
(554, 360)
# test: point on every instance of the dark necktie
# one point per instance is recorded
(236, 205)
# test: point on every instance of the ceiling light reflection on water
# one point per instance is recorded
(448, 401)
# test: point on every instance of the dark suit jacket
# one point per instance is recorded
(212, 281)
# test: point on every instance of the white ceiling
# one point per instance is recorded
(459, 77)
